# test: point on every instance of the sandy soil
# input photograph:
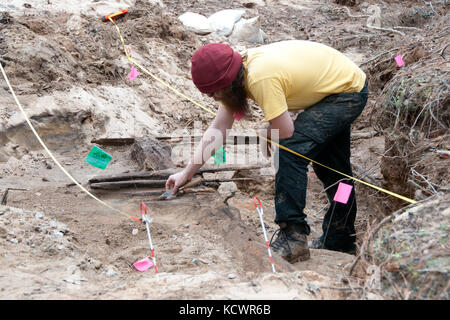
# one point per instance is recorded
(70, 74)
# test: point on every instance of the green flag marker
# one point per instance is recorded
(219, 156)
(98, 158)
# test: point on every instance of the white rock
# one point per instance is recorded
(227, 187)
(231, 276)
(38, 215)
(111, 272)
(57, 233)
(134, 232)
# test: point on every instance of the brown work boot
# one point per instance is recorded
(291, 243)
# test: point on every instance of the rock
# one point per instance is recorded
(419, 195)
(253, 284)
(342, 279)
(134, 232)
(97, 264)
(231, 276)
(311, 287)
(226, 188)
(186, 225)
(58, 233)
(150, 154)
(111, 272)
(3, 232)
(194, 261)
(83, 266)
(13, 241)
(48, 165)
(38, 215)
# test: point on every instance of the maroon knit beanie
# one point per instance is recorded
(214, 67)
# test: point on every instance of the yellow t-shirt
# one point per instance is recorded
(295, 74)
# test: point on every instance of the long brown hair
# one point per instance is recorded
(235, 97)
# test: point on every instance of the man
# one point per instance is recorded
(280, 77)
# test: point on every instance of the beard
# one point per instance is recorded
(235, 99)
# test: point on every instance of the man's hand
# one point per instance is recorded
(177, 180)
(223, 121)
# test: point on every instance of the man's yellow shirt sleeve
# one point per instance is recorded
(269, 95)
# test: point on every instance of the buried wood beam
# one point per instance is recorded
(113, 141)
(112, 185)
(164, 174)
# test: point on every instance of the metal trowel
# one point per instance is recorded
(168, 194)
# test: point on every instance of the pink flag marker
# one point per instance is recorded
(133, 73)
(238, 115)
(143, 265)
(343, 193)
(399, 60)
